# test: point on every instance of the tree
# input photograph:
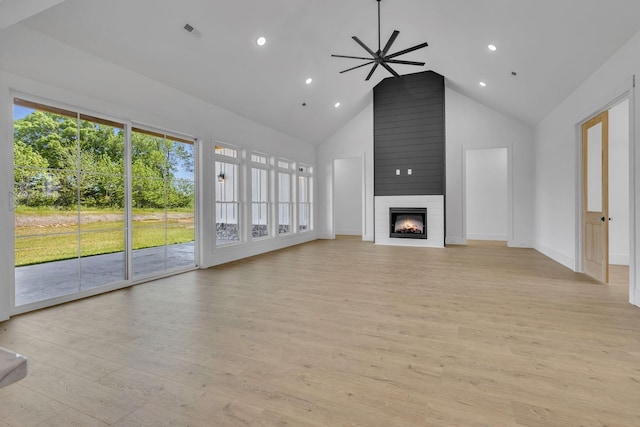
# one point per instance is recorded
(59, 158)
(33, 184)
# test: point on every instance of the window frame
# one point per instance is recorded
(253, 163)
(280, 168)
(220, 155)
(304, 171)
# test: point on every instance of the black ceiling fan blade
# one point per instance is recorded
(372, 70)
(411, 49)
(351, 57)
(397, 61)
(365, 47)
(357, 66)
(390, 42)
(389, 69)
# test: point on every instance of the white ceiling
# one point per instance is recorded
(13, 11)
(553, 45)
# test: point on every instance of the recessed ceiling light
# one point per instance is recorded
(308, 81)
(261, 41)
(492, 47)
(483, 84)
(337, 104)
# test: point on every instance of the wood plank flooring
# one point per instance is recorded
(338, 333)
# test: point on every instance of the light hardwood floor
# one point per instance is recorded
(338, 333)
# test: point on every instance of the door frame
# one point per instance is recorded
(629, 94)
(510, 198)
(361, 158)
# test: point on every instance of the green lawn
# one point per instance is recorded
(45, 235)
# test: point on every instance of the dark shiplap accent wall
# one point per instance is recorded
(408, 120)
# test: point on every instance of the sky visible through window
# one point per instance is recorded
(20, 112)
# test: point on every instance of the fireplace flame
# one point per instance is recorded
(409, 225)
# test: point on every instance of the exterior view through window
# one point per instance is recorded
(304, 198)
(259, 196)
(71, 207)
(162, 198)
(227, 196)
(285, 205)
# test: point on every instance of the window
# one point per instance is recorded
(227, 196)
(285, 205)
(259, 196)
(259, 158)
(304, 198)
(227, 152)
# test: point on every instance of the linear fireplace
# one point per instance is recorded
(408, 223)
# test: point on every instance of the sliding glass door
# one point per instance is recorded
(69, 202)
(72, 210)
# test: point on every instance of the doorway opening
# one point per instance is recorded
(605, 154)
(619, 176)
(348, 197)
(486, 194)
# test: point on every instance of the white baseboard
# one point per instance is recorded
(557, 256)
(348, 232)
(619, 259)
(456, 241)
(524, 245)
(368, 238)
(481, 236)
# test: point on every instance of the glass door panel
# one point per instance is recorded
(102, 203)
(163, 201)
(181, 225)
(45, 194)
(69, 192)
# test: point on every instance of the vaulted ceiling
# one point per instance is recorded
(552, 46)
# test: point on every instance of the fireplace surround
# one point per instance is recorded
(408, 223)
(434, 224)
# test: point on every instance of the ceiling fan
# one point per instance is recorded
(380, 57)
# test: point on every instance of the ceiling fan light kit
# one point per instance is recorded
(381, 56)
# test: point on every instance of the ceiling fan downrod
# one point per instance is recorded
(378, 25)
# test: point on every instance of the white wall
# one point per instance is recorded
(619, 184)
(347, 205)
(486, 194)
(353, 140)
(36, 65)
(556, 141)
(468, 125)
(471, 125)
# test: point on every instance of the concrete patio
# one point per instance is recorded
(54, 279)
